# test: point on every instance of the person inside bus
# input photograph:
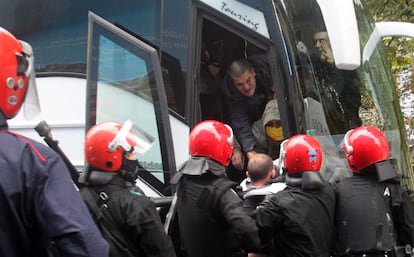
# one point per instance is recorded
(247, 88)
(339, 90)
(210, 81)
(268, 132)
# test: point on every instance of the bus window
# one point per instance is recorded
(338, 100)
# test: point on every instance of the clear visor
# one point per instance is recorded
(282, 155)
(230, 139)
(345, 143)
(31, 105)
(132, 139)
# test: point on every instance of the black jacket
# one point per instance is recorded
(339, 92)
(211, 217)
(372, 216)
(40, 204)
(298, 222)
(137, 219)
(243, 111)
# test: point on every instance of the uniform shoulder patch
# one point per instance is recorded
(132, 191)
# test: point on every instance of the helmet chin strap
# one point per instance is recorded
(129, 170)
(3, 121)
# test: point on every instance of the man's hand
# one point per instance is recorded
(326, 54)
(250, 154)
(237, 159)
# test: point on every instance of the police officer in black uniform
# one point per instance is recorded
(111, 150)
(299, 220)
(211, 217)
(42, 213)
(375, 216)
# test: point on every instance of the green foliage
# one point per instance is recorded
(400, 50)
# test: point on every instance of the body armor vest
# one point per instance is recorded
(364, 219)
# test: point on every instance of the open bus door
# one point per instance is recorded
(124, 82)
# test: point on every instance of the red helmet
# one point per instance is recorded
(106, 142)
(364, 146)
(16, 71)
(212, 139)
(302, 153)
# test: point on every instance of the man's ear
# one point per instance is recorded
(272, 173)
(247, 174)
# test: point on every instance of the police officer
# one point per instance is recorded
(111, 151)
(299, 220)
(34, 181)
(211, 217)
(375, 216)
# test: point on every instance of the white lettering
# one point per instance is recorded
(242, 17)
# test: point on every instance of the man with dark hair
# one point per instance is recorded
(247, 89)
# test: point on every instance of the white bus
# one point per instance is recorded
(141, 60)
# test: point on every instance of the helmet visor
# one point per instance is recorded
(31, 105)
(132, 139)
(282, 155)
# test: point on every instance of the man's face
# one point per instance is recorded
(246, 83)
(321, 41)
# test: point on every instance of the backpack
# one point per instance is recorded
(118, 244)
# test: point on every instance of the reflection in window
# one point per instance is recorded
(124, 92)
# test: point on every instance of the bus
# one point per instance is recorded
(142, 61)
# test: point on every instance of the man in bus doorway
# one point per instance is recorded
(247, 88)
(42, 213)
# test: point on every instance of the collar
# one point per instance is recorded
(202, 165)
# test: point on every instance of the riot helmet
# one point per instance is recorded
(107, 143)
(212, 139)
(302, 153)
(17, 79)
(364, 146)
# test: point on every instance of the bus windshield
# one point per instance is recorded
(338, 100)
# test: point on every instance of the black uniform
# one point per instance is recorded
(211, 217)
(298, 222)
(372, 217)
(135, 216)
(40, 204)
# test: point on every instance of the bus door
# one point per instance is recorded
(124, 82)
(228, 30)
